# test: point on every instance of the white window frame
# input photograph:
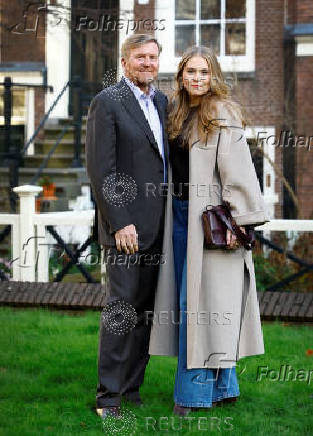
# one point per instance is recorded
(58, 58)
(168, 61)
(269, 194)
(304, 46)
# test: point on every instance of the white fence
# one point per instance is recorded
(31, 243)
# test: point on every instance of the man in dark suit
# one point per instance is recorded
(127, 155)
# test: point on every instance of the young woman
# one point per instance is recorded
(220, 320)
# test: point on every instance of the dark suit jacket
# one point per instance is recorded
(121, 145)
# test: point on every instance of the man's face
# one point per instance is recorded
(142, 64)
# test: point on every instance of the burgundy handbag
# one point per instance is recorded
(216, 220)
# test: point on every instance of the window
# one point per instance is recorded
(257, 159)
(18, 106)
(219, 24)
(262, 162)
(227, 26)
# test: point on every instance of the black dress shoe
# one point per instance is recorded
(216, 403)
(109, 411)
(230, 400)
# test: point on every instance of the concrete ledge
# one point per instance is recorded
(287, 306)
(61, 295)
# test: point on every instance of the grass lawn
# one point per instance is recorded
(48, 376)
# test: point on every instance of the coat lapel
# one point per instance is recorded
(161, 113)
(133, 108)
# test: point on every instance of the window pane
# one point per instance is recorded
(235, 8)
(210, 9)
(185, 10)
(235, 39)
(18, 103)
(257, 159)
(185, 36)
(210, 36)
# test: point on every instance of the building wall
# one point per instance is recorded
(263, 95)
(23, 40)
(304, 11)
(303, 14)
(304, 99)
(144, 14)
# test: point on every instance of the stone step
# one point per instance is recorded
(53, 156)
(64, 141)
(57, 127)
(52, 132)
(66, 145)
(60, 176)
(57, 160)
(62, 121)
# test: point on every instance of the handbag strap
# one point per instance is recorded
(223, 212)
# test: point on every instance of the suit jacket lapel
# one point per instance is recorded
(161, 113)
(133, 108)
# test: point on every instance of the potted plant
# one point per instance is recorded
(48, 187)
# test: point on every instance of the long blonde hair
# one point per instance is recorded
(219, 92)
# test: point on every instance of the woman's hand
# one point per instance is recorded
(231, 239)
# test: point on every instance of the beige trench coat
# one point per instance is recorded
(222, 308)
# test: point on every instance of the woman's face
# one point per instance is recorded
(196, 76)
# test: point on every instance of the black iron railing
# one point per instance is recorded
(13, 156)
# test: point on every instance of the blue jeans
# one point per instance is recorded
(194, 387)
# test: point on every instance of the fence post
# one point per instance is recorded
(12, 158)
(27, 194)
(7, 112)
(43, 254)
(77, 115)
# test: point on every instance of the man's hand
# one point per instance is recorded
(127, 239)
(232, 239)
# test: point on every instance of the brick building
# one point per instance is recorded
(265, 48)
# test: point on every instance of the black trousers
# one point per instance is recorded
(123, 357)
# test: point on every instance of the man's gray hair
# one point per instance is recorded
(136, 40)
